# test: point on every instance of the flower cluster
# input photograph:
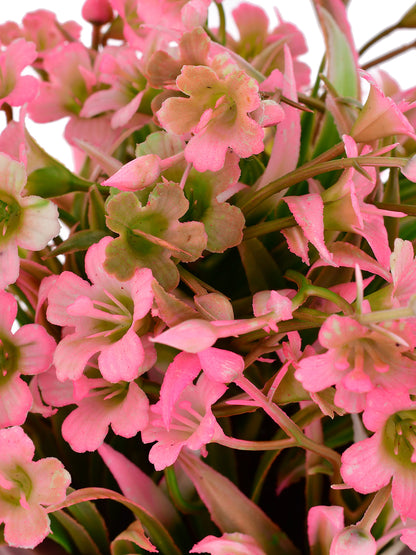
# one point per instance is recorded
(229, 266)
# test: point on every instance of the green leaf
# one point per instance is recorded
(261, 270)
(159, 536)
(231, 510)
(78, 534)
(87, 514)
(79, 241)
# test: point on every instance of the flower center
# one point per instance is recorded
(15, 486)
(8, 358)
(10, 215)
(399, 437)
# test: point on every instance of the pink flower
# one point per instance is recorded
(16, 89)
(124, 406)
(29, 222)
(216, 112)
(228, 544)
(28, 352)
(191, 424)
(104, 317)
(180, 15)
(389, 453)
(358, 358)
(26, 488)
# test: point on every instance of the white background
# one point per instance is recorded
(367, 17)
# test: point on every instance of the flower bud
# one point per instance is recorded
(97, 12)
(353, 540)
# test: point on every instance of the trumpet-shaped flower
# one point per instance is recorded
(191, 424)
(29, 222)
(27, 487)
(370, 464)
(106, 317)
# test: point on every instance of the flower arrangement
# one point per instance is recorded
(211, 320)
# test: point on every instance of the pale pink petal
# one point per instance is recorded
(86, 427)
(191, 336)
(50, 481)
(126, 112)
(132, 414)
(323, 523)
(123, 359)
(8, 311)
(26, 89)
(64, 292)
(136, 175)
(72, 354)
(15, 403)
(404, 492)
(16, 446)
(163, 454)
(221, 365)
(36, 349)
(103, 101)
(318, 372)
(39, 223)
(181, 372)
(27, 527)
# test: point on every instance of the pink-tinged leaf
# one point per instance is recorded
(380, 117)
(342, 56)
(170, 309)
(179, 374)
(231, 510)
(129, 538)
(346, 254)
(228, 544)
(191, 336)
(286, 145)
(137, 486)
(158, 533)
(221, 365)
(214, 306)
(297, 243)
(308, 211)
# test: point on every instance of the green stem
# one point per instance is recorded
(389, 55)
(246, 445)
(180, 502)
(221, 31)
(287, 424)
(313, 169)
(375, 508)
(378, 37)
(264, 228)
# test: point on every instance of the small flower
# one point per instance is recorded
(26, 488)
(216, 112)
(29, 222)
(389, 453)
(358, 358)
(191, 424)
(104, 317)
(28, 352)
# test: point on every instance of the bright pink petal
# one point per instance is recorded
(27, 527)
(9, 263)
(8, 311)
(191, 336)
(15, 403)
(64, 292)
(72, 354)
(365, 467)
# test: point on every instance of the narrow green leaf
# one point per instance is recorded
(79, 241)
(78, 534)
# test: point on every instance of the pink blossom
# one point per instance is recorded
(29, 222)
(71, 79)
(358, 358)
(16, 89)
(228, 544)
(27, 487)
(102, 317)
(389, 453)
(97, 12)
(124, 406)
(28, 352)
(191, 425)
(179, 15)
(120, 69)
(216, 112)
